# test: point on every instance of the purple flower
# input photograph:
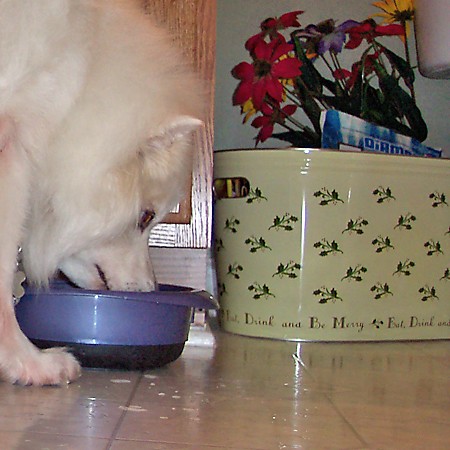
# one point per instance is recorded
(325, 36)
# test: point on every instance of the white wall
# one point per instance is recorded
(239, 19)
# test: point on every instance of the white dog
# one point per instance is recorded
(96, 119)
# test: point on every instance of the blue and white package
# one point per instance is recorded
(346, 132)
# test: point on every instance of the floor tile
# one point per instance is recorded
(105, 385)
(246, 394)
(56, 411)
(399, 426)
(258, 424)
(439, 351)
(40, 441)
(140, 445)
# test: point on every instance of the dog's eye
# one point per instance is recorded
(147, 215)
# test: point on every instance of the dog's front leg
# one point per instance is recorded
(20, 361)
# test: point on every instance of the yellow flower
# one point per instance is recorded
(401, 11)
(248, 109)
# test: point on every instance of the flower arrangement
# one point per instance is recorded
(284, 75)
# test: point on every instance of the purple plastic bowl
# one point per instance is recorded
(112, 329)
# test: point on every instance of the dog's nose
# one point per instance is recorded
(102, 276)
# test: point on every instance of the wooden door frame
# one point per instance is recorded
(193, 25)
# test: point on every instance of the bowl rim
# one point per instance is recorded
(169, 294)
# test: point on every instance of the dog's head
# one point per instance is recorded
(92, 208)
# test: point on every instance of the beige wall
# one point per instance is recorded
(239, 19)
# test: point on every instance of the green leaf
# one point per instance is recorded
(402, 67)
(310, 75)
(309, 85)
(403, 104)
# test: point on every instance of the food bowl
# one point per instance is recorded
(112, 329)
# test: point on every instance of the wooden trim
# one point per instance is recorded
(182, 266)
(183, 212)
(193, 25)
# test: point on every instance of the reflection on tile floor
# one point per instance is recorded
(246, 394)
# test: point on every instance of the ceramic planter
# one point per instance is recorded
(328, 245)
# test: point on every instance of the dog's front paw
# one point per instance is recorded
(54, 366)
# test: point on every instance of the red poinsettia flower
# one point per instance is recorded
(351, 77)
(346, 75)
(271, 63)
(369, 62)
(271, 116)
(284, 21)
(369, 30)
(271, 26)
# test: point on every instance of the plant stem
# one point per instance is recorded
(408, 59)
(311, 94)
(293, 121)
(327, 64)
(338, 66)
(292, 97)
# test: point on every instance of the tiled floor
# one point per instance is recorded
(246, 394)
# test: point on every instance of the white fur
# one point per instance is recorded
(96, 116)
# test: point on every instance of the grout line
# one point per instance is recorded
(350, 425)
(119, 423)
(298, 359)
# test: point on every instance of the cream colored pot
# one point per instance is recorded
(335, 246)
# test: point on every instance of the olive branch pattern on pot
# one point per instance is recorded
(446, 275)
(232, 224)
(260, 291)
(356, 226)
(327, 248)
(438, 198)
(218, 244)
(381, 290)
(328, 197)
(433, 247)
(404, 268)
(257, 244)
(428, 293)
(383, 194)
(405, 222)
(327, 295)
(283, 223)
(355, 273)
(346, 254)
(288, 270)
(382, 244)
(234, 270)
(331, 197)
(222, 288)
(255, 195)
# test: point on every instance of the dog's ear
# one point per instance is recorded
(182, 126)
(174, 130)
